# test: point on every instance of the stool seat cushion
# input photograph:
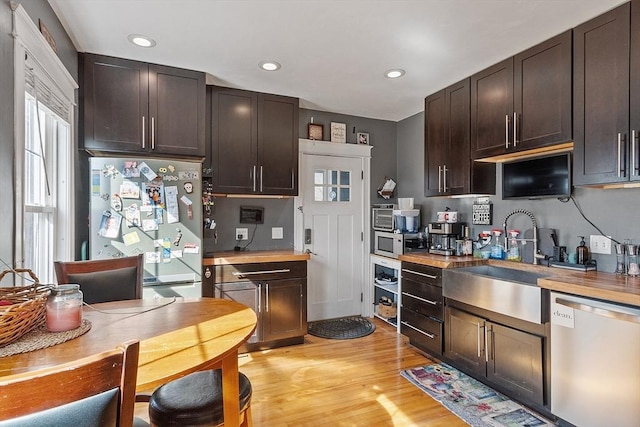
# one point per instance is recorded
(195, 399)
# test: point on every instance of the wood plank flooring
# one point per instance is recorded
(341, 383)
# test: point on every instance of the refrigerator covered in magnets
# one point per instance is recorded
(151, 207)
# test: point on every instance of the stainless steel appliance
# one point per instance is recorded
(394, 244)
(443, 235)
(151, 207)
(399, 220)
(595, 362)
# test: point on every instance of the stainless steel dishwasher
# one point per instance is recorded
(595, 362)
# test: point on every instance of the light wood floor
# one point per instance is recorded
(341, 383)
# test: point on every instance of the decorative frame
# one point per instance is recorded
(338, 132)
(362, 138)
(316, 131)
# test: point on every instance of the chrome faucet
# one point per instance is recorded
(536, 255)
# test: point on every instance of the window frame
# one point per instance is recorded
(28, 41)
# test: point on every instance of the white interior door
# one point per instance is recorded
(332, 209)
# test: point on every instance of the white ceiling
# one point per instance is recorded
(333, 52)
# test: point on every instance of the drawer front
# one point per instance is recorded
(421, 273)
(263, 272)
(423, 332)
(427, 305)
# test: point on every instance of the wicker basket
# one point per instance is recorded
(387, 308)
(27, 310)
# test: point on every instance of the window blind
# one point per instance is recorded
(36, 85)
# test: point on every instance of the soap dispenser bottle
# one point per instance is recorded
(582, 251)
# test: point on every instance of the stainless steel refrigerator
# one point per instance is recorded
(151, 207)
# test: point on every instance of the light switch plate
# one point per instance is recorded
(600, 244)
(277, 233)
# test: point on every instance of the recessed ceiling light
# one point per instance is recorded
(140, 40)
(394, 73)
(269, 65)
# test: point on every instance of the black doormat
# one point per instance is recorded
(343, 328)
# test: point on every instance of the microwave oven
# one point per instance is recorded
(394, 244)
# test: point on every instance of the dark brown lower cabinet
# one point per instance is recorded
(507, 357)
(277, 292)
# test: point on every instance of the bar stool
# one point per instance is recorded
(196, 400)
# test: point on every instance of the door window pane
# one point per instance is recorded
(332, 186)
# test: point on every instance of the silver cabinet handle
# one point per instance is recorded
(252, 273)
(486, 344)
(515, 129)
(421, 299)
(506, 131)
(259, 298)
(599, 311)
(261, 178)
(634, 168)
(266, 309)
(418, 330)
(143, 133)
(153, 133)
(254, 177)
(420, 274)
(444, 181)
(439, 179)
(619, 155)
(479, 338)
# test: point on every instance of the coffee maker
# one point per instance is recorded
(443, 235)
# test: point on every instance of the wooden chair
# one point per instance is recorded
(94, 391)
(104, 280)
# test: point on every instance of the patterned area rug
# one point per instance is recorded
(475, 403)
(343, 328)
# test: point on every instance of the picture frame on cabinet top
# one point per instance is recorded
(338, 132)
(316, 131)
(362, 138)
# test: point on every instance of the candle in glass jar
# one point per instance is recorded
(64, 308)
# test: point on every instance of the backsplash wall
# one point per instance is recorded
(615, 211)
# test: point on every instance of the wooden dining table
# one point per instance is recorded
(177, 336)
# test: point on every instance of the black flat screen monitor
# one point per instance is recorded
(536, 178)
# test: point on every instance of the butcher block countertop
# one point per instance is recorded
(592, 284)
(251, 257)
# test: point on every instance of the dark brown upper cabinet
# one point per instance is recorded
(607, 97)
(254, 143)
(523, 102)
(449, 169)
(133, 107)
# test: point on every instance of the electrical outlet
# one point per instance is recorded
(242, 234)
(600, 244)
(277, 233)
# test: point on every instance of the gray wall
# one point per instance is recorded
(615, 211)
(280, 212)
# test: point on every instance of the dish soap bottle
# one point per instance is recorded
(497, 250)
(514, 251)
(582, 251)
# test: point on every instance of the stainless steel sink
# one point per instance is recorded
(506, 291)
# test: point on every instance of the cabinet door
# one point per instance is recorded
(435, 123)
(515, 362)
(542, 94)
(277, 145)
(492, 109)
(246, 293)
(464, 340)
(457, 105)
(601, 98)
(114, 104)
(285, 309)
(634, 91)
(234, 135)
(177, 111)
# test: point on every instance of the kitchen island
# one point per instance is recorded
(273, 283)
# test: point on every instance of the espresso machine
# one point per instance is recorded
(443, 235)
